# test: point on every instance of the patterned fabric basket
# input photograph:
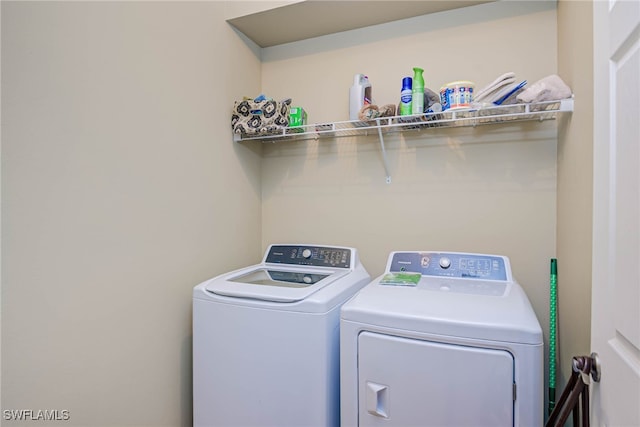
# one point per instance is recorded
(260, 117)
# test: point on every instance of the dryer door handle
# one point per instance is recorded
(377, 399)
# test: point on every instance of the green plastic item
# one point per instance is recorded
(401, 279)
(417, 92)
(553, 300)
(297, 117)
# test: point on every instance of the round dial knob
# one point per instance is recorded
(307, 279)
(445, 262)
(306, 253)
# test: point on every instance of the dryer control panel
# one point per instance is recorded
(451, 264)
(317, 256)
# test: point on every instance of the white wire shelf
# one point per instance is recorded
(539, 111)
(494, 114)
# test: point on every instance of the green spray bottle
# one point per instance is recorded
(417, 98)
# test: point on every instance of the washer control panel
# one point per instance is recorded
(317, 256)
(450, 264)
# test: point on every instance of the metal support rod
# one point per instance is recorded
(384, 152)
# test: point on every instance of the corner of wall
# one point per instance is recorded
(575, 188)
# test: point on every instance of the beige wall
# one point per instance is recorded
(121, 191)
(575, 185)
(487, 189)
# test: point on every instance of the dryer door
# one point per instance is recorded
(409, 382)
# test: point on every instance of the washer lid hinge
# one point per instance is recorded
(514, 391)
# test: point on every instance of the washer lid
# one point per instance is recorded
(274, 283)
(475, 309)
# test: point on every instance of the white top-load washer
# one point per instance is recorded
(266, 338)
(441, 339)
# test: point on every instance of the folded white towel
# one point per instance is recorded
(550, 88)
(489, 90)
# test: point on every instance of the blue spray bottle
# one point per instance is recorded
(405, 97)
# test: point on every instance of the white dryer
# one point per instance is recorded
(441, 339)
(266, 339)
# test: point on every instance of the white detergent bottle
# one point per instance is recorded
(359, 95)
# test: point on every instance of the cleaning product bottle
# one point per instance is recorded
(417, 101)
(405, 97)
(359, 95)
